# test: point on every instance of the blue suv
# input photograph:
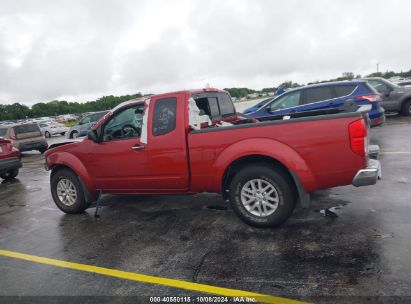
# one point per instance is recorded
(322, 96)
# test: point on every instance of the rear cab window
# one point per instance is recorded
(217, 105)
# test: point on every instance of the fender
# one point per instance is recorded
(74, 163)
(269, 148)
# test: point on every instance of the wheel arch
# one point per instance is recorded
(64, 160)
(272, 153)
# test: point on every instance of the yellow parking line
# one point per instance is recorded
(227, 292)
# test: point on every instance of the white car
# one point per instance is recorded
(48, 129)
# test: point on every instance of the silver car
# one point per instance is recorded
(49, 128)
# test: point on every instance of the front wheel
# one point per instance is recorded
(262, 196)
(47, 134)
(10, 174)
(67, 192)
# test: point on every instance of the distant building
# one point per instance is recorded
(252, 95)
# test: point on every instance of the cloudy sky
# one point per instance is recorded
(81, 50)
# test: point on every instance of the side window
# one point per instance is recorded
(124, 124)
(213, 104)
(344, 90)
(208, 106)
(164, 117)
(43, 126)
(318, 94)
(286, 101)
(226, 105)
(380, 86)
(86, 120)
(3, 132)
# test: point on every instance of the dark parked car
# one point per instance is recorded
(323, 96)
(394, 98)
(9, 159)
(85, 124)
(25, 137)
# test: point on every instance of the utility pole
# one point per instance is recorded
(377, 66)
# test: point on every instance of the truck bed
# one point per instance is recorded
(310, 142)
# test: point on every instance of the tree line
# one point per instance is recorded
(59, 107)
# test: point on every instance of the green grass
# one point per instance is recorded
(71, 123)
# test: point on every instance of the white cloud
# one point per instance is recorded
(84, 49)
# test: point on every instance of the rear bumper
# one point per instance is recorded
(377, 121)
(32, 145)
(9, 164)
(369, 175)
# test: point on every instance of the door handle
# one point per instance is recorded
(137, 147)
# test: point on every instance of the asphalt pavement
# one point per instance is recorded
(352, 245)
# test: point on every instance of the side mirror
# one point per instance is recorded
(92, 135)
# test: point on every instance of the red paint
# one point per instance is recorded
(320, 152)
(7, 150)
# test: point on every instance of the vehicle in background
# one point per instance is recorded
(85, 124)
(10, 162)
(394, 98)
(49, 128)
(189, 142)
(324, 96)
(405, 83)
(25, 137)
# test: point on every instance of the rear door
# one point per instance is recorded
(319, 98)
(167, 146)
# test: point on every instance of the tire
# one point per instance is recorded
(10, 174)
(42, 150)
(275, 203)
(72, 201)
(63, 133)
(47, 134)
(74, 134)
(406, 108)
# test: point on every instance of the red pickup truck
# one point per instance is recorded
(193, 141)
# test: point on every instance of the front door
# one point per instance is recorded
(120, 162)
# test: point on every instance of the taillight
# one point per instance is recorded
(12, 134)
(358, 133)
(369, 97)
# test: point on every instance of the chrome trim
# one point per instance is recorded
(369, 175)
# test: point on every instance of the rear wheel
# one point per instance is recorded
(262, 196)
(406, 108)
(47, 134)
(67, 192)
(10, 174)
